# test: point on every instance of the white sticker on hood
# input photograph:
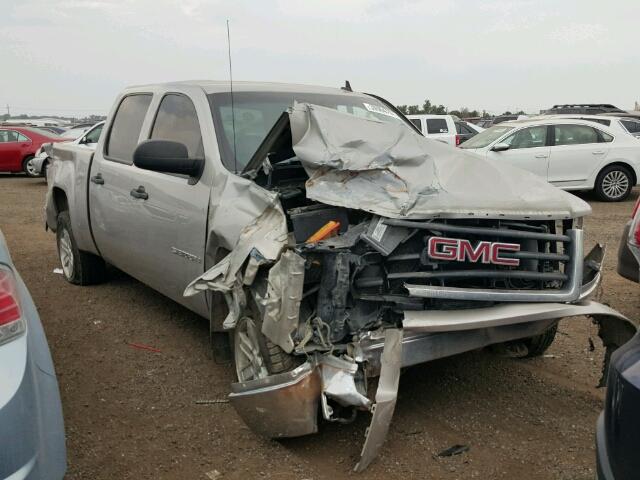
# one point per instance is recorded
(380, 110)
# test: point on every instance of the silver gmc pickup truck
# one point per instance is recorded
(332, 241)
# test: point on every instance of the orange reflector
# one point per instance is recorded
(329, 229)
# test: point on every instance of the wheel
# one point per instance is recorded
(254, 355)
(527, 347)
(79, 268)
(28, 167)
(539, 344)
(614, 183)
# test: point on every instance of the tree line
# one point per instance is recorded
(433, 109)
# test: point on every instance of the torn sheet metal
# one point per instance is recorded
(389, 170)
(386, 397)
(282, 300)
(261, 241)
(282, 405)
(339, 383)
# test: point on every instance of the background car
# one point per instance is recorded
(618, 427)
(438, 127)
(32, 441)
(630, 125)
(465, 131)
(572, 154)
(75, 132)
(18, 146)
(629, 249)
(88, 140)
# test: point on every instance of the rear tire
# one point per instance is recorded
(78, 267)
(28, 168)
(614, 183)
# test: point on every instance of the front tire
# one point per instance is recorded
(28, 168)
(254, 355)
(79, 268)
(614, 183)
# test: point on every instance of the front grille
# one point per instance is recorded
(542, 263)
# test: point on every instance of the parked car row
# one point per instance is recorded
(22, 149)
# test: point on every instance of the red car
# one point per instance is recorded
(18, 147)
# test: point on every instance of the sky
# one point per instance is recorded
(72, 57)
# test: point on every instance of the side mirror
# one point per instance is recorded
(501, 147)
(166, 156)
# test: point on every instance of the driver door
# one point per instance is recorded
(528, 149)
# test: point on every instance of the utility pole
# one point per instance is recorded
(8, 111)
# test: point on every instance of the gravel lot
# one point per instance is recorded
(132, 413)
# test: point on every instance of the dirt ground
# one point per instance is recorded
(132, 414)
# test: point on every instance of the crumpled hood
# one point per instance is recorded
(387, 169)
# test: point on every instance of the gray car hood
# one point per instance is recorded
(387, 169)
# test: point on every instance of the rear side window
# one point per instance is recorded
(575, 135)
(417, 122)
(125, 130)
(631, 126)
(437, 125)
(22, 138)
(177, 121)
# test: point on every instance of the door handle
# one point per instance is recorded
(139, 193)
(542, 155)
(598, 152)
(97, 179)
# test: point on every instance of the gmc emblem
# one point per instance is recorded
(460, 250)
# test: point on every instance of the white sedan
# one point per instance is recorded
(572, 154)
(88, 140)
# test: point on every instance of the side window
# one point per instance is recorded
(8, 136)
(23, 138)
(631, 126)
(125, 130)
(527, 138)
(437, 125)
(94, 135)
(575, 135)
(177, 121)
(417, 122)
(605, 137)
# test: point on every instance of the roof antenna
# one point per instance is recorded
(233, 113)
(347, 86)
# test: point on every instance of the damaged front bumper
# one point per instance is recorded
(287, 405)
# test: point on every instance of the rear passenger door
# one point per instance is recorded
(576, 152)
(115, 218)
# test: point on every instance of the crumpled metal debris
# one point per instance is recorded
(389, 170)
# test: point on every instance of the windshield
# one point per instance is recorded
(486, 137)
(256, 112)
